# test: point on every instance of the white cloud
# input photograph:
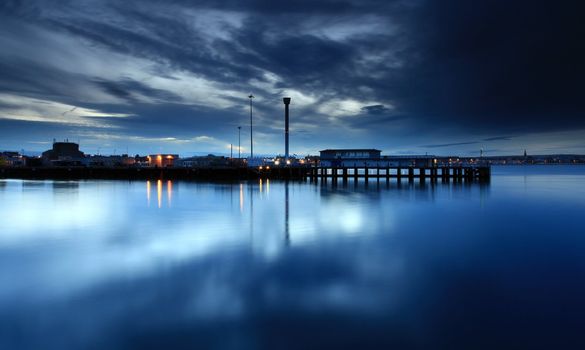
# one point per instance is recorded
(343, 108)
(37, 110)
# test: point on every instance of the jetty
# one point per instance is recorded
(302, 173)
(354, 173)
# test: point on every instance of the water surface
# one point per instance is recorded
(275, 265)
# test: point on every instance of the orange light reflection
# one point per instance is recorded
(148, 192)
(159, 192)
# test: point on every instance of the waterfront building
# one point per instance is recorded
(64, 153)
(162, 160)
(111, 161)
(349, 157)
(8, 158)
(207, 161)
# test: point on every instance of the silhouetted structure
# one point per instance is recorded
(9, 158)
(209, 160)
(63, 153)
(340, 157)
(251, 138)
(286, 101)
(111, 161)
(377, 172)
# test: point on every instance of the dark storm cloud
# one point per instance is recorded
(483, 67)
(373, 115)
(127, 89)
(451, 144)
(498, 138)
(376, 109)
(495, 64)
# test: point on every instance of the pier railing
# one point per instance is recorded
(443, 173)
(446, 173)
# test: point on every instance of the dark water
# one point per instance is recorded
(118, 265)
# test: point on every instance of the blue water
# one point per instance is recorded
(270, 265)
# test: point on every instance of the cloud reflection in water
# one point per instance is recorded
(228, 266)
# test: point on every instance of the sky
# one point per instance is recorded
(445, 77)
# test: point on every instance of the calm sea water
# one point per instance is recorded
(270, 265)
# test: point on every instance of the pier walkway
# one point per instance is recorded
(303, 173)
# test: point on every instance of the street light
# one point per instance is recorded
(239, 142)
(286, 101)
(251, 139)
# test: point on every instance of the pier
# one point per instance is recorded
(303, 173)
(433, 174)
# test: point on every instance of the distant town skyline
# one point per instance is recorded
(405, 77)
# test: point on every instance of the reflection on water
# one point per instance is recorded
(159, 193)
(148, 192)
(279, 265)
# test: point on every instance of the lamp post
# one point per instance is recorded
(251, 139)
(286, 101)
(239, 142)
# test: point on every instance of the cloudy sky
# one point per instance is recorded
(404, 76)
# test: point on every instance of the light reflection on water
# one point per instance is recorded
(96, 264)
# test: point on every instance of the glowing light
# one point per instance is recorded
(169, 191)
(260, 167)
(267, 168)
(277, 162)
(288, 162)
